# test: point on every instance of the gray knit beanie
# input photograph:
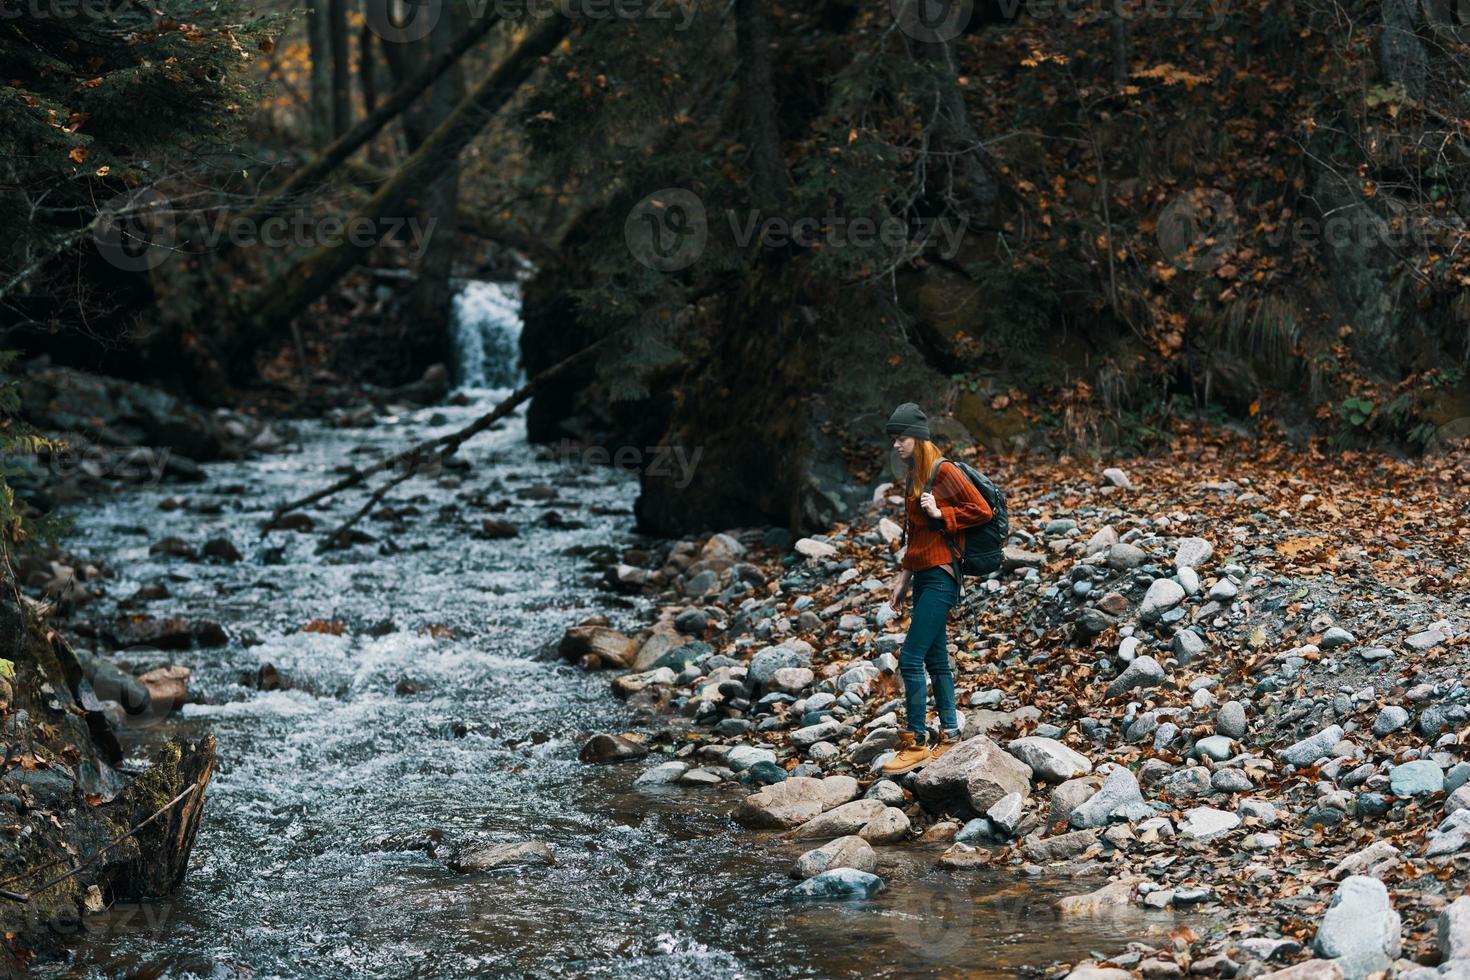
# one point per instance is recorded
(909, 419)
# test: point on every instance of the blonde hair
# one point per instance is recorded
(926, 454)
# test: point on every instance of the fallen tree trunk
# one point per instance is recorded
(332, 156)
(412, 459)
(270, 311)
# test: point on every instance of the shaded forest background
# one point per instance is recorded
(1103, 221)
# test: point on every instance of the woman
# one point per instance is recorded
(935, 521)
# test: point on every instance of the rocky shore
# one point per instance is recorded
(1229, 682)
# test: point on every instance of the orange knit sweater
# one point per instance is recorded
(960, 506)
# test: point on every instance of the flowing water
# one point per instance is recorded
(434, 711)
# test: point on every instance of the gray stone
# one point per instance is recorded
(1125, 557)
(765, 663)
(888, 827)
(1223, 591)
(1006, 814)
(662, 774)
(1313, 748)
(805, 738)
(1230, 720)
(1336, 637)
(1188, 579)
(1207, 823)
(1117, 478)
(1416, 778)
(844, 852)
(1452, 932)
(792, 680)
(1119, 798)
(1193, 552)
(1143, 672)
(1263, 812)
(742, 757)
(1230, 781)
(974, 775)
(840, 821)
(1059, 848)
(1194, 781)
(839, 883)
(1164, 594)
(1187, 645)
(1360, 929)
(506, 856)
(1070, 795)
(1049, 759)
(1215, 747)
(1390, 720)
(793, 801)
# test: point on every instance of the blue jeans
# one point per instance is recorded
(935, 592)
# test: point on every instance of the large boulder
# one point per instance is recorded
(1360, 929)
(849, 818)
(972, 777)
(1049, 759)
(792, 802)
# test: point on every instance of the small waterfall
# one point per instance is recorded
(487, 333)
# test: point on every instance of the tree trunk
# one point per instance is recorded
(268, 313)
(968, 186)
(429, 301)
(1120, 49)
(341, 68)
(768, 177)
(320, 98)
(394, 105)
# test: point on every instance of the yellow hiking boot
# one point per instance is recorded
(911, 755)
(942, 744)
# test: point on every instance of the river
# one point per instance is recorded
(435, 710)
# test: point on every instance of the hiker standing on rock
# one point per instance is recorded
(935, 520)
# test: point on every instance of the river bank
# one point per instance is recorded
(388, 713)
(1229, 680)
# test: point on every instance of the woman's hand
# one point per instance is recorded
(900, 591)
(929, 505)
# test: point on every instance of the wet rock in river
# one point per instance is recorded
(602, 748)
(603, 642)
(840, 821)
(844, 852)
(794, 801)
(505, 856)
(839, 883)
(167, 634)
(221, 549)
(168, 687)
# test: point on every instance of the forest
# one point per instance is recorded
(491, 487)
